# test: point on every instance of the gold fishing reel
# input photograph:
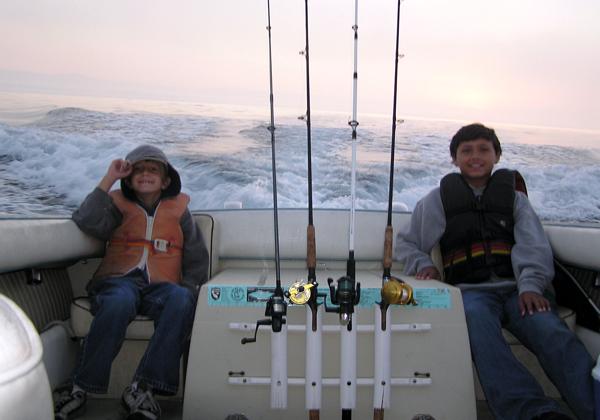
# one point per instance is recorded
(299, 292)
(397, 292)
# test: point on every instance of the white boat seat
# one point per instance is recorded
(527, 358)
(567, 314)
(141, 328)
(138, 333)
(24, 387)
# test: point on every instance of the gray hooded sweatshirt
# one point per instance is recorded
(531, 254)
(98, 216)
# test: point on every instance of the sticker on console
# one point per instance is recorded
(254, 296)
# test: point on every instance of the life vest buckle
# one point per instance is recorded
(160, 245)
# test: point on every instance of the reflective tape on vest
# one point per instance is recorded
(478, 249)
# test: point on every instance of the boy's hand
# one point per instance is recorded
(428, 273)
(530, 302)
(118, 169)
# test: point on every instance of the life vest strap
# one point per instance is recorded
(155, 245)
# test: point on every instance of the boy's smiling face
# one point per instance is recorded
(476, 159)
(148, 178)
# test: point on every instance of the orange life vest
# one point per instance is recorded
(142, 241)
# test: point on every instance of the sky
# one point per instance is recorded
(533, 62)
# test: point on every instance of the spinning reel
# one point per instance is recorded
(276, 310)
(346, 296)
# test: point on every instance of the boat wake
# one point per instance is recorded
(48, 165)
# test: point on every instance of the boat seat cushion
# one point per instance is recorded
(141, 328)
(567, 314)
(24, 388)
(206, 224)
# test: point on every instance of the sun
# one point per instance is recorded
(474, 98)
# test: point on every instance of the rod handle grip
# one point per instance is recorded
(387, 247)
(378, 414)
(311, 248)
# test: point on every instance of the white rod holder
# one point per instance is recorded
(348, 366)
(313, 361)
(279, 375)
(382, 375)
(294, 328)
(329, 382)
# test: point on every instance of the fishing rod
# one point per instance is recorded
(311, 249)
(347, 293)
(394, 290)
(276, 308)
(276, 305)
(393, 293)
(313, 361)
(307, 292)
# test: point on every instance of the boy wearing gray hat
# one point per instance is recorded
(154, 265)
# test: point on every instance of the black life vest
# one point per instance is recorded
(479, 229)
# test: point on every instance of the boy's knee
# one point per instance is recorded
(182, 296)
(118, 300)
(480, 318)
(545, 326)
(475, 310)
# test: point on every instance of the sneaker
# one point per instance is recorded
(141, 404)
(69, 404)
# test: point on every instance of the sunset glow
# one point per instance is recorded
(531, 62)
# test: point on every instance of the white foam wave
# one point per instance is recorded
(48, 166)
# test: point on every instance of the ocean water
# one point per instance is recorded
(54, 150)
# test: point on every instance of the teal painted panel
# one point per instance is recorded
(252, 296)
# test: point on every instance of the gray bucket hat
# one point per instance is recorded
(148, 152)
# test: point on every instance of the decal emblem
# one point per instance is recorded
(237, 294)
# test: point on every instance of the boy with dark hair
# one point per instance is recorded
(495, 250)
(154, 265)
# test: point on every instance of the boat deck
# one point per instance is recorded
(111, 409)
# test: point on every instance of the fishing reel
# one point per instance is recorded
(346, 296)
(397, 292)
(305, 293)
(394, 292)
(276, 310)
(300, 292)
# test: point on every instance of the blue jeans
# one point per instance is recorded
(115, 304)
(511, 391)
